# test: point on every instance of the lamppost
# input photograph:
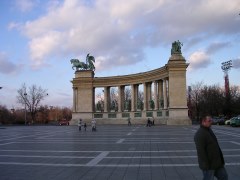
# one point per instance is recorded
(25, 95)
(226, 66)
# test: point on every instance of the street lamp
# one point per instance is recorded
(25, 95)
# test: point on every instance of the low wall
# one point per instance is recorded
(138, 117)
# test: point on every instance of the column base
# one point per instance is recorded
(178, 116)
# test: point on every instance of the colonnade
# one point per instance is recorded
(159, 96)
(165, 86)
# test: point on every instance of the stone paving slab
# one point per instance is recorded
(113, 152)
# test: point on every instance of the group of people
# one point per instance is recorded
(80, 124)
(150, 123)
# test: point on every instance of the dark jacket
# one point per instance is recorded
(210, 156)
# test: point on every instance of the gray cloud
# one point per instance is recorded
(236, 63)
(199, 60)
(121, 31)
(7, 67)
(193, 41)
(214, 47)
(118, 60)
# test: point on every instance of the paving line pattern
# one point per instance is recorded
(121, 147)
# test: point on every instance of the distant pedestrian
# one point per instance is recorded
(210, 157)
(80, 124)
(94, 125)
(148, 122)
(153, 121)
(85, 126)
(129, 121)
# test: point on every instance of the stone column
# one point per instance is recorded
(165, 94)
(136, 95)
(106, 98)
(133, 98)
(145, 99)
(156, 97)
(149, 94)
(93, 99)
(121, 98)
(134, 88)
(75, 99)
(160, 93)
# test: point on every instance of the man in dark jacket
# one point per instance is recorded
(210, 157)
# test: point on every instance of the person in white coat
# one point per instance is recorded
(93, 125)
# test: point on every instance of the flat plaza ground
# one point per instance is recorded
(113, 152)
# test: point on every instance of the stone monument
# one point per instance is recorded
(166, 102)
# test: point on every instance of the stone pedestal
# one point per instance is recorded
(178, 111)
(83, 99)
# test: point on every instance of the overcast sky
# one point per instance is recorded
(39, 37)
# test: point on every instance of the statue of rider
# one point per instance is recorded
(176, 47)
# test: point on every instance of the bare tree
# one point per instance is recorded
(100, 103)
(113, 99)
(235, 99)
(43, 114)
(140, 100)
(47, 114)
(31, 98)
(211, 100)
(6, 116)
(196, 98)
(128, 96)
(67, 113)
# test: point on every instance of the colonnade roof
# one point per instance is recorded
(138, 78)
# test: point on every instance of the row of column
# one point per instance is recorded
(160, 96)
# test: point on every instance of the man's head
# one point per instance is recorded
(207, 121)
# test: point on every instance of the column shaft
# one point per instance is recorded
(134, 89)
(93, 100)
(74, 99)
(160, 94)
(145, 97)
(149, 94)
(121, 98)
(106, 98)
(156, 97)
(165, 94)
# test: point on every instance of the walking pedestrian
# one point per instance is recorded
(80, 124)
(210, 157)
(85, 126)
(153, 121)
(94, 125)
(129, 121)
(148, 122)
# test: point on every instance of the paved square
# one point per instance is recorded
(113, 152)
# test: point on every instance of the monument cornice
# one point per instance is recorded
(137, 78)
(177, 67)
